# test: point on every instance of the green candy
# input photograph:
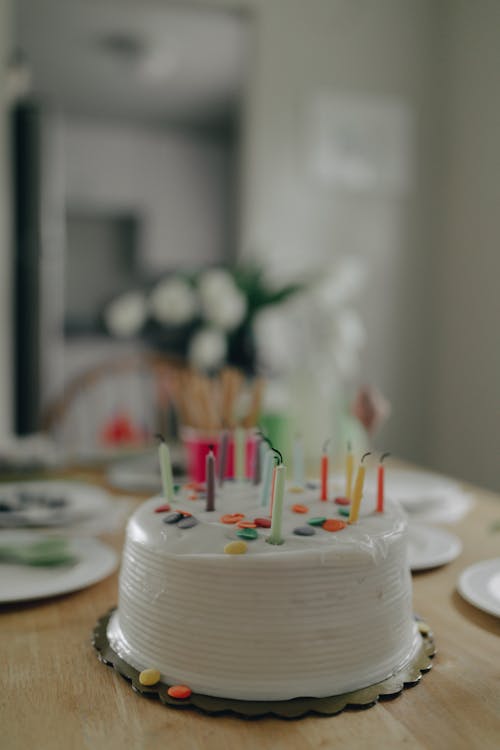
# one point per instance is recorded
(316, 521)
(344, 511)
(247, 533)
(177, 488)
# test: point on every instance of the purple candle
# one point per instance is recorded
(210, 475)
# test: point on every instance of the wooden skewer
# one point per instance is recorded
(252, 417)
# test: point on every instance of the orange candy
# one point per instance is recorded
(193, 496)
(179, 691)
(246, 525)
(232, 517)
(333, 524)
(300, 508)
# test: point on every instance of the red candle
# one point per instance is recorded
(380, 484)
(324, 477)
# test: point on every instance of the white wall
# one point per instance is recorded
(379, 53)
(175, 182)
(5, 252)
(464, 419)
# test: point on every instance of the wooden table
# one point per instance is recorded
(55, 694)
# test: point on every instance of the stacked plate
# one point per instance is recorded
(46, 537)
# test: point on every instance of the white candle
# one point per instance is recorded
(166, 470)
(239, 454)
(298, 462)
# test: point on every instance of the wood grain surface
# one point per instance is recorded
(55, 694)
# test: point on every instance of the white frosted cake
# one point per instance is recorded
(324, 613)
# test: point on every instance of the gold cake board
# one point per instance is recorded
(295, 708)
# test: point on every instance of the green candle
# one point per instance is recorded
(239, 454)
(166, 470)
(279, 496)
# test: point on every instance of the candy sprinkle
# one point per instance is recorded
(297, 508)
(304, 531)
(342, 501)
(319, 521)
(246, 525)
(247, 533)
(333, 524)
(172, 517)
(236, 548)
(231, 517)
(162, 508)
(183, 512)
(264, 523)
(181, 692)
(344, 511)
(187, 522)
(149, 677)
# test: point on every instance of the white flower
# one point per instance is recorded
(173, 302)
(125, 316)
(207, 349)
(271, 328)
(340, 282)
(223, 305)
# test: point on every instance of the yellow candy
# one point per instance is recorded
(236, 548)
(149, 677)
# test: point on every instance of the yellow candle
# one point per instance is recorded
(349, 467)
(358, 492)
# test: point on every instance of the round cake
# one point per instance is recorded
(326, 612)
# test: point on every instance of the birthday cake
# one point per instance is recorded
(208, 602)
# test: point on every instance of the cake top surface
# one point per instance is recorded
(166, 532)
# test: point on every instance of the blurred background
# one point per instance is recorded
(302, 192)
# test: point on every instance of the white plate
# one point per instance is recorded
(479, 584)
(95, 561)
(429, 547)
(82, 502)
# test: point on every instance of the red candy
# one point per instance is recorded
(179, 691)
(162, 508)
(264, 523)
(333, 524)
(342, 501)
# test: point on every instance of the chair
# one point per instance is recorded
(114, 407)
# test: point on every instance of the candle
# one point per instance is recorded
(166, 469)
(324, 472)
(210, 475)
(298, 462)
(273, 489)
(239, 454)
(263, 449)
(358, 491)
(267, 475)
(223, 457)
(349, 467)
(256, 461)
(380, 484)
(275, 535)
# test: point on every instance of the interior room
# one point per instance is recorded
(248, 306)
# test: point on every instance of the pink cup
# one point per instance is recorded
(197, 444)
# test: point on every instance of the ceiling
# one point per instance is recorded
(142, 61)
